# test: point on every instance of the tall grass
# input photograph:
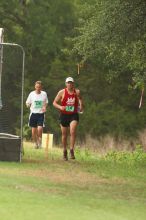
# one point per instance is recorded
(108, 142)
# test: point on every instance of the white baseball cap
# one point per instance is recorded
(69, 79)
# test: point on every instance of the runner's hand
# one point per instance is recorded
(62, 108)
(81, 109)
(44, 109)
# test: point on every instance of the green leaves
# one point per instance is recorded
(113, 31)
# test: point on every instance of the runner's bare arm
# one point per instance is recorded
(28, 105)
(80, 100)
(57, 100)
(44, 106)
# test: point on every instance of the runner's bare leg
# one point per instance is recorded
(64, 131)
(34, 134)
(73, 127)
(39, 135)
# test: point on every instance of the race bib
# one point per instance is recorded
(69, 108)
(38, 104)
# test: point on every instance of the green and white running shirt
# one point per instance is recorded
(37, 101)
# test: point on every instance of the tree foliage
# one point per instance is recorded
(113, 34)
(106, 36)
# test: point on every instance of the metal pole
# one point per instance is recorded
(22, 90)
(1, 61)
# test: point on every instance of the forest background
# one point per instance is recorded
(102, 40)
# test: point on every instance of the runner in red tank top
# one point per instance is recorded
(70, 101)
(67, 101)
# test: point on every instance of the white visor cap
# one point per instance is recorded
(69, 79)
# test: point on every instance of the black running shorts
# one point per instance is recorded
(66, 119)
(36, 119)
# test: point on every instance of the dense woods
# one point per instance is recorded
(106, 39)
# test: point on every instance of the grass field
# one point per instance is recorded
(89, 188)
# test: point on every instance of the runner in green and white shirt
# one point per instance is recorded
(37, 101)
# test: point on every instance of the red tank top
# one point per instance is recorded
(70, 101)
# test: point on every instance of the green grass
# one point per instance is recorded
(91, 187)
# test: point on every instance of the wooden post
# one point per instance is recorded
(140, 102)
(47, 143)
(78, 68)
(46, 148)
